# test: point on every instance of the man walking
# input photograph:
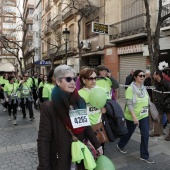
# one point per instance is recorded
(162, 102)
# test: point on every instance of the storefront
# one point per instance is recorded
(129, 57)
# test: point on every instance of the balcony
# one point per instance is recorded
(55, 1)
(131, 28)
(29, 35)
(47, 30)
(48, 6)
(166, 24)
(67, 13)
(55, 23)
(29, 19)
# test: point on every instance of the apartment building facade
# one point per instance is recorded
(123, 48)
(58, 15)
(8, 62)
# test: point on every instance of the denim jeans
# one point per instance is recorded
(144, 130)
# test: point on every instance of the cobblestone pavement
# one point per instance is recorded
(18, 147)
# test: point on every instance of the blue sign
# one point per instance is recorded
(43, 63)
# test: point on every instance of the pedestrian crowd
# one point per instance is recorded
(75, 125)
(21, 92)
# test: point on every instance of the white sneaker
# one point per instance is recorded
(9, 118)
(19, 108)
(14, 122)
(5, 110)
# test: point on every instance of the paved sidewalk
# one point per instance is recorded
(18, 147)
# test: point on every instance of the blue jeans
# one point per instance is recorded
(144, 130)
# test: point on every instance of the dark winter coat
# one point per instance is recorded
(114, 120)
(163, 99)
(54, 140)
(129, 80)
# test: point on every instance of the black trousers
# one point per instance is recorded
(13, 107)
(35, 96)
(28, 104)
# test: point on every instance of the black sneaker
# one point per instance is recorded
(122, 150)
(149, 161)
(24, 116)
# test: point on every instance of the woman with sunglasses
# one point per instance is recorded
(48, 87)
(57, 127)
(136, 114)
(88, 77)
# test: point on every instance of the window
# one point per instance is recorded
(31, 10)
(89, 32)
(29, 26)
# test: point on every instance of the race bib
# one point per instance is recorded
(79, 118)
(144, 111)
(25, 91)
(92, 110)
(13, 94)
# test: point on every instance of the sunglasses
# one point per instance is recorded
(141, 76)
(92, 78)
(69, 79)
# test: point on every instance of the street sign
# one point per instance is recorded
(43, 63)
(100, 28)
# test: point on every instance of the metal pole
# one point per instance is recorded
(66, 53)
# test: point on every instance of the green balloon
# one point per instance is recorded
(104, 163)
(97, 97)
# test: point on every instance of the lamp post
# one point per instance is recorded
(66, 34)
(33, 54)
(21, 65)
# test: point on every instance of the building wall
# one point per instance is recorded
(111, 60)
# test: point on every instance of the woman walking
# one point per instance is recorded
(136, 114)
(10, 93)
(56, 127)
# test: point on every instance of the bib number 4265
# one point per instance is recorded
(81, 119)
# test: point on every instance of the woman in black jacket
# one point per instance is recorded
(54, 138)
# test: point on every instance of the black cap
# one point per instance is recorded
(102, 67)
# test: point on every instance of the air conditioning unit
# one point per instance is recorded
(86, 45)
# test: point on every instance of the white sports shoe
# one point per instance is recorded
(5, 110)
(9, 118)
(19, 108)
(14, 122)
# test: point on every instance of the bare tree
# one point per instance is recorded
(153, 37)
(55, 43)
(15, 42)
(84, 9)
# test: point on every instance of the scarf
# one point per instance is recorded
(139, 91)
(62, 102)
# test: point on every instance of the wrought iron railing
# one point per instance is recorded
(48, 5)
(67, 12)
(130, 26)
(56, 21)
(165, 11)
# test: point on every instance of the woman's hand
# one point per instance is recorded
(7, 100)
(100, 151)
(103, 110)
(135, 120)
